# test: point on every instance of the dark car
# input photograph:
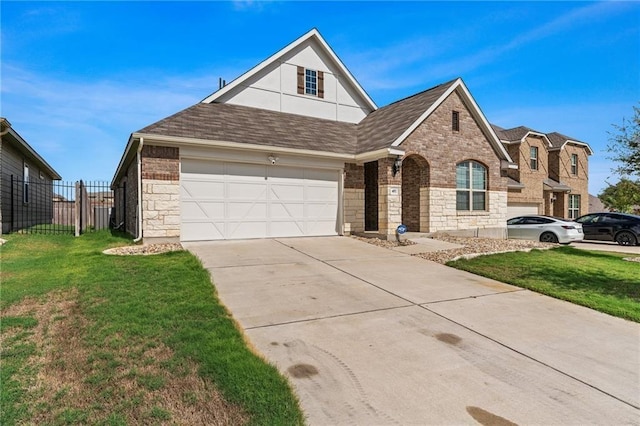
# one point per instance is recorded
(622, 228)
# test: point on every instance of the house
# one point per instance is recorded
(596, 205)
(296, 147)
(552, 176)
(26, 197)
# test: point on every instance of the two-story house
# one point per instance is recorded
(552, 175)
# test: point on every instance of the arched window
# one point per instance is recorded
(471, 185)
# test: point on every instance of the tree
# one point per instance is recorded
(622, 196)
(624, 144)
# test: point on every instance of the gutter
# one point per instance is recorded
(139, 237)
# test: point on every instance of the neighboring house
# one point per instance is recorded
(26, 197)
(552, 176)
(296, 147)
(596, 205)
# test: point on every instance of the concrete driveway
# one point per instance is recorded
(373, 336)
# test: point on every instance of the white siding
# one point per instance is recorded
(275, 88)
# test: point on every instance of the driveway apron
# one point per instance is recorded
(373, 336)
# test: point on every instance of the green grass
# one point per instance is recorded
(131, 328)
(601, 281)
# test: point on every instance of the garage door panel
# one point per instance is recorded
(287, 229)
(201, 231)
(521, 209)
(247, 210)
(232, 201)
(202, 210)
(284, 210)
(246, 229)
(286, 192)
(202, 189)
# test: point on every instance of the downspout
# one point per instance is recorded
(139, 237)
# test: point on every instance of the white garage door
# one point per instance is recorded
(220, 200)
(521, 209)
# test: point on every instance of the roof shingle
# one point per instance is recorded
(240, 124)
(383, 126)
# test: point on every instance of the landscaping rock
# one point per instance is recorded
(145, 249)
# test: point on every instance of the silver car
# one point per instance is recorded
(546, 229)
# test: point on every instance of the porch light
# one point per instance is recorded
(396, 166)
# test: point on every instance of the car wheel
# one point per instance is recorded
(548, 237)
(626, 238)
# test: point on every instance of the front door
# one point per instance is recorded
(371, 196)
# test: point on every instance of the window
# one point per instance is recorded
(455, 121)
(471, 185)
(533, 152)
(574, 206)
(310, 82)
(574, 164)
(25, 183)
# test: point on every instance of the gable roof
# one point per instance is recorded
(395, 122)
(384, 126)
(380, 133)
(313, 35)
(558, 141)
(246, 125)
(11, 136)
(517, 134)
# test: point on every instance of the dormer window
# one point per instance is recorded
(310, 82)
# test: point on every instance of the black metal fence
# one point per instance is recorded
(55, 207)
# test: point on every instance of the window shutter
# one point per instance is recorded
(301, 80)
(320, 84)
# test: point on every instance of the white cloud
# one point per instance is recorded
(412, 62)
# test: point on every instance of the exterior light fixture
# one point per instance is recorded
(272, 159)
(397, 164)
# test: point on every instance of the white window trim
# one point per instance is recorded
(471, 190)
(574, 164)
(533, 158)
(25, 183)
(574, 210)
(315, 82)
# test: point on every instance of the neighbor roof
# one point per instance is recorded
(16, 140)
(558, 140)
(517, 134)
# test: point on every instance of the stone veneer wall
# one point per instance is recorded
(160, 193)
(389, 198)
(444, 216)
(353, 196)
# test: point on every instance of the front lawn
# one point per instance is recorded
(96, 339)
(601, 281)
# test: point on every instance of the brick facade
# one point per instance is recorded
(160, 163)
(532, 179)
(440, 148)
(422, 194)
(560, 167)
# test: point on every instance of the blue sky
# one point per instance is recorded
(78, 78)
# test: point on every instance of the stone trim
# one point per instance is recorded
(160, 208)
